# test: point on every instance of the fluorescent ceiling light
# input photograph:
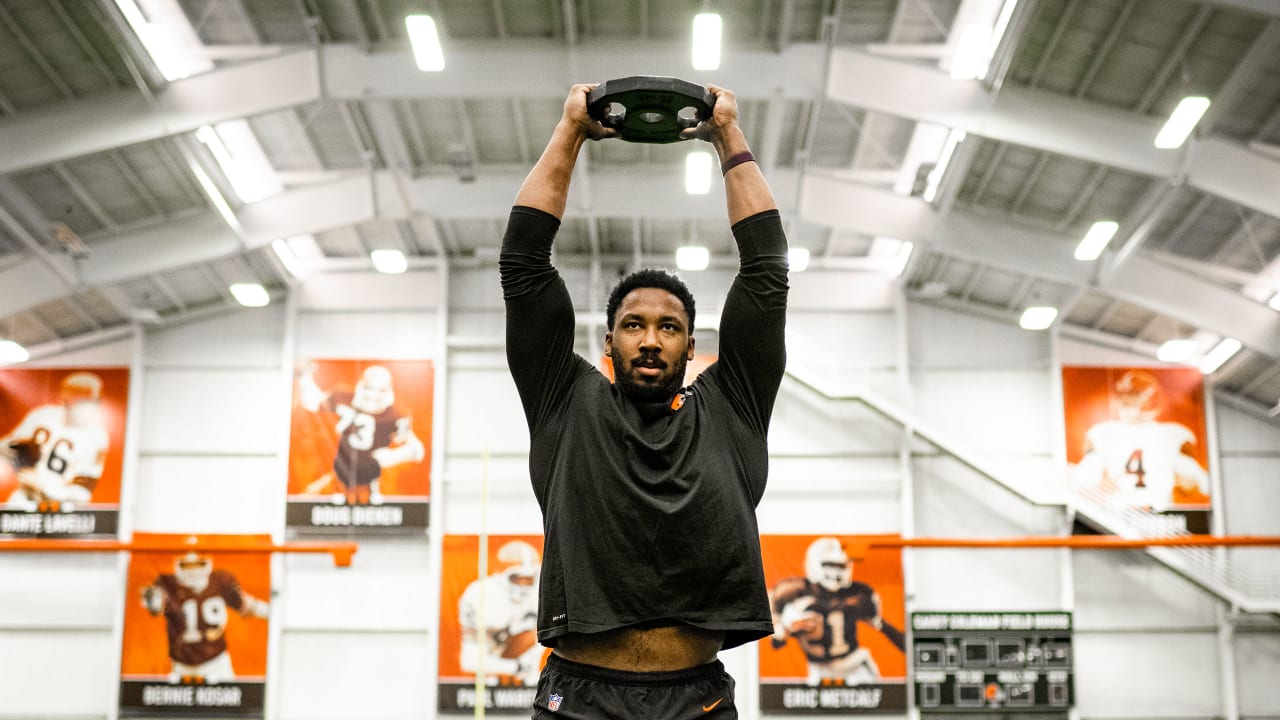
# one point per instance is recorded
(1038, 317)
(973, 53)
(894, 252)
(884, 247)
(798, 259)
(706, 41)
(391, 262)
(1002, 24)
(1095, 241)
(697, 173)
(305, 247)
(1181, 122)
(242, 160)
(1176, 350)
(425, 41)
(904, 256)
(250, 294)
(978, 29)
(954, 138)
(167, 36)
(285, 254)
(215, 197)
(1220, 353)
(692, 257)
(1274, 303)
(11, 352)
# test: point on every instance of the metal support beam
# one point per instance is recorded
(962, 234)
(1263, 8)
(1260, 55)
(346, 72)
(34, 53)
(1242, 233)
(1029, 183)
(1083, 196)
(1103, 52)
(1053, 123)
(1188, 220)
(83, 43)
(1045, 121)
(1147, 214)
(78, 190)
(1175, 58)
(1050, 45)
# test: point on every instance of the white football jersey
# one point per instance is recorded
(66, 453)
(506, 613)
(1138, 460)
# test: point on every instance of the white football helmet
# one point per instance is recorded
(81, 386)
(1138, 396)
(524, 565)
(193, 570)
(373, 393)
(80, 393)
(827, 564)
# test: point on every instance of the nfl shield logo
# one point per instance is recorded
(553, 703)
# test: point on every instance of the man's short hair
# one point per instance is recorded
(649, 278)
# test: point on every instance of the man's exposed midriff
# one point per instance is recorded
(655, 649)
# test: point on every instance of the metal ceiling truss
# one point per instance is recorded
(374, 92)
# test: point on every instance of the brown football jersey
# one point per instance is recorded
(197, 621)
(836, 614)
(359, 435)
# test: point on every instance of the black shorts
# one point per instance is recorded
(584, 692)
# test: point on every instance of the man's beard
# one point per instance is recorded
(645, 392)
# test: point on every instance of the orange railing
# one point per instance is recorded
(858, 548)
(341, 551)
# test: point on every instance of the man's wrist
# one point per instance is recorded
(571, 129)
(736, 160)
(729, 141)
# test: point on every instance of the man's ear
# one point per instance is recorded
(608, 343)
(690, 352)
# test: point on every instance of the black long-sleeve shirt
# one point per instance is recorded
(648, 508)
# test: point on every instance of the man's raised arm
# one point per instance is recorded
(540, 319)
(547, 186)
(745, 188)
(753, 322)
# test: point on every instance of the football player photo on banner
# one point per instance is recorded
(360, 447)
(61, 450)
(195, 628)
(1136, 439)
(489, 625)
(839, 645)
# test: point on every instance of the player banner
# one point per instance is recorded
(490, 624)
(360, 447)
(838, 646)
(195, 629)
(993, 662)
(1136, 439)
(61, 450)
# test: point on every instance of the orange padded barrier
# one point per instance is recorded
(341, 551)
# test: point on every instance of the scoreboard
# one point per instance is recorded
(982, 662)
